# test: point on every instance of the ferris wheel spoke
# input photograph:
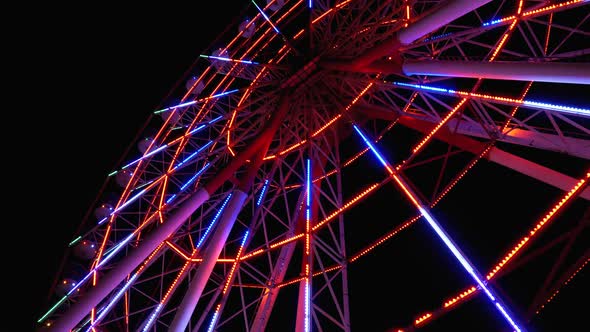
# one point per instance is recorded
(521, 245)
(575, 73)
(190, 300)
(494, 298)
(497, 155)
(579, 111)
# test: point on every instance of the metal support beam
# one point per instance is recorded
(569, 145)
(270, 294)
(126, 266)
(542, 293)
(439, 16)
(521, 165)
(430, 21)
(574, 73)
(210, 256)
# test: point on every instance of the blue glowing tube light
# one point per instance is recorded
(442, 234)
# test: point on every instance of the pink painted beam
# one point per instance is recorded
(574, 73)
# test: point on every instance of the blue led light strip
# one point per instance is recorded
(442, 234)
(525, 103)
(228, 59)
(132, 279)
(266, 17)
(213, 221)
(188, 103)
(163, 147)
(262, 192)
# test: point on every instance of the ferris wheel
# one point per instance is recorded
(329, 154)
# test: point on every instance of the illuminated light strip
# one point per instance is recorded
(307, 319)
(300, 143)
(422, 318)
(151, 153)
(525, 240)
(460, 296)
(188, 103)
(385, 238)
(327, 125)
(551, 7)
(164, 298)
(228, 141)
(229, 127)
(177, 250)
(262, 192)
(228, 59)
(290, 282)
(407, 5)
(520, 3)
(242, 99)
(273, 246)
(519, 102)
(346, 206)
(437, 37)
(439, 125)
(109, 306)
(170, 199)
(105, 310)
(213, 221)
(199, 150)
(228, 281)
(440, 232)
(266, 17)
(532, 12)
(513, 113)
(129, 201)
(342, 4)
(236, 260)
(414, 219)
(195, 176)
(142, 185)
(263, 69)
(188, 262)
(108, 254)
(307, 308)
(147, 155)
(461, 175)
(345, 164)
(327, 219)
(316, 274)
(500, 20)
(503, 40)
(307, 204)
(548, 33)
(74, 241)
(317, 19)
(547, 218)
(565, 283)
(214, 319)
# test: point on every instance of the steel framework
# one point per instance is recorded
(322, 133)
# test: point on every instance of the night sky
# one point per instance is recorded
(104, 69)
